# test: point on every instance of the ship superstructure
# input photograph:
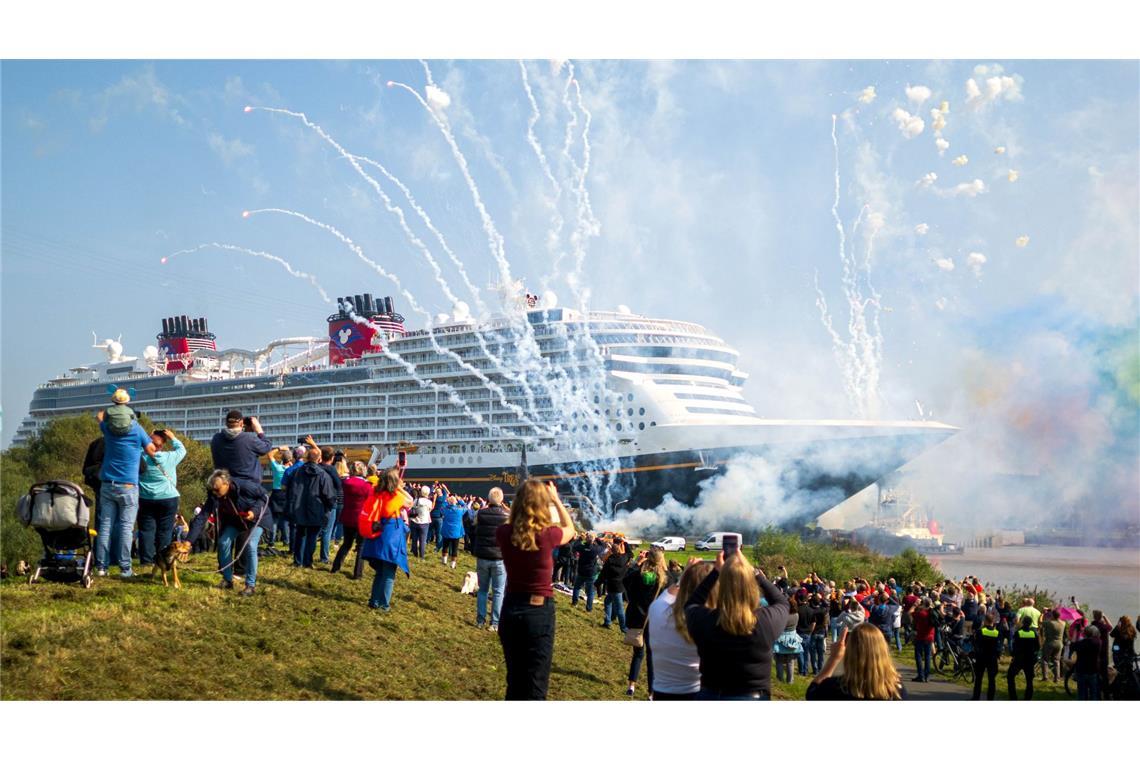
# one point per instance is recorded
(652, 404)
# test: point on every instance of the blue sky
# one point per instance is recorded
(712, 184)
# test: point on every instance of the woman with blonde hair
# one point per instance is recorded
(526, 621)
(674, 665)
(735, 639)
(868, 671)
(642, 583)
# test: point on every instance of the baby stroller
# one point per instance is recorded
(59, 512)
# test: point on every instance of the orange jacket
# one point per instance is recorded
(379, 506)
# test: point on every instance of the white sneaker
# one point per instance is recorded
(101, 573)
(444, 559)
(452, 564)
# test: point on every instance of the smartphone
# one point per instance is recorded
(729, 544)
(247, 424)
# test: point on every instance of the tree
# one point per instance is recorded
(57, 453)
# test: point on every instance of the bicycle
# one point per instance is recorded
(954, 659)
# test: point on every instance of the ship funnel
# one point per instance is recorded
(204, 327)
(369, 308)
(165, 326)
(389, 308)
(359, 305)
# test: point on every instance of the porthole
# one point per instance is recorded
(631, 411)
(480, 459)
(641, 426)
(597, 400)
(652, 424)
(630, 397)
(470, 460)
(619, 427)
(452, 461)
(641, 411)
(595, 428)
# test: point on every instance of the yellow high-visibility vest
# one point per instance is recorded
(990, 632)
(1027, 634)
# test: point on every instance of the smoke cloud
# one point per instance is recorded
(946, 265)
(1022, 241)
(921, 229)
(918, 94)
(975, 261)
(942, 144)
(909, 124)
(961, 160)
(867, 95)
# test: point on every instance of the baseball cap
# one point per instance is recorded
(234, 415)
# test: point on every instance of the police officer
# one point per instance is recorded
(1025, 646)
(987, 649)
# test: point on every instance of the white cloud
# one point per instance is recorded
(997, 88)
(228, 150)
(946, 265)
(983, 69)
(1022, 241)
(437, 98)
(921, 229)
(972, 90)
(969, 189)
(999, 150)
(908, 124)
(1013, 175)
(961, 160)
(941, 304)
(975, 261)
(942, 144)
(142, 91)
(937, 120)
(867, 95)
(918, 94)
(928, 179)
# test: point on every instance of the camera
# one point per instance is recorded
(303, 438)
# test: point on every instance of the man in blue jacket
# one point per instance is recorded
(441, 494)
(237, 450)
(119, 490)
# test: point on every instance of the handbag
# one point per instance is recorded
(635, 637)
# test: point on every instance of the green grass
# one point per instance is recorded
(307, 634)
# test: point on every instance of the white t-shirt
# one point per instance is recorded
(676, 664)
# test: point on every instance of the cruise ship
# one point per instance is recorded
(617, 407)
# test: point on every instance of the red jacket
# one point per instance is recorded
(356, 492)
(923, 625)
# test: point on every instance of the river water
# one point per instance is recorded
(1105, 579)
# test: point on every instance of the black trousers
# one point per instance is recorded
(527, 635)
(990, 669)
(156, 527)
(1020, 666)
(351, 536)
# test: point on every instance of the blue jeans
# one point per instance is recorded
(434, 532)
(615, 610)
(226, 553)
(118, 508)
(493, 577)
(834, 627)
(304, 544)
(802, 655)
(922, 653)
(898, 640)
(419, 539)
(584, 581)
(327, 533)
(817, 645)
(382, 585)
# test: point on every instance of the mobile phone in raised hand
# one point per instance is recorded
(730, 544)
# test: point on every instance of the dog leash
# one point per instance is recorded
(241, 551)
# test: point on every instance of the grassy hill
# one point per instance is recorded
(307, 634)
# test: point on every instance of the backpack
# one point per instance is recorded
(119, 418)
(54, 505)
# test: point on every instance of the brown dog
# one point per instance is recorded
(168, 559)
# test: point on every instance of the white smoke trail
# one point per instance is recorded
(413, 303)
(516, 375)
(554, 234)
(399, 213)
(259, 254)
(860, 356)
(526, 344)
